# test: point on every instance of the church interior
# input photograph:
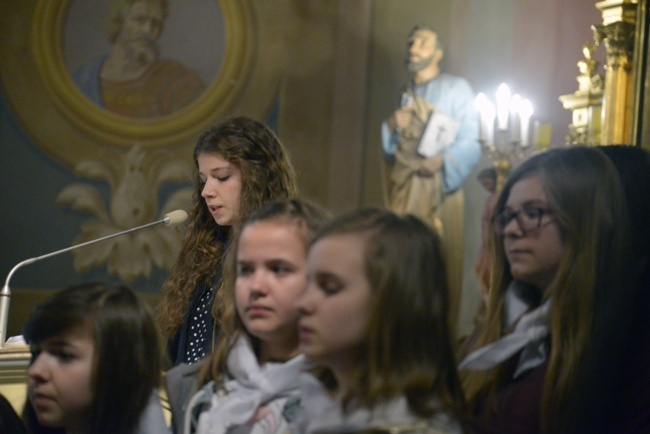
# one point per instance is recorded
(323, 74)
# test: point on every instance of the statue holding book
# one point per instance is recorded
(431, 146)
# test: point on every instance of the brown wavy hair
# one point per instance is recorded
(267, 174)
(584, 193)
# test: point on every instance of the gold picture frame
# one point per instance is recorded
(75, 125)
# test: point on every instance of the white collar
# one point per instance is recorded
(252, 386)
(530, 335)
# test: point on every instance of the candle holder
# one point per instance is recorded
(504, 130)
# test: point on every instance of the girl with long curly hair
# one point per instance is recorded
(241, 166)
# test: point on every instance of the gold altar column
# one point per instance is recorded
(617, 35)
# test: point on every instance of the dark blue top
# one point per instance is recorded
(196, 335)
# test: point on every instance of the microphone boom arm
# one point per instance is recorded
(67, 249)
(172, 218)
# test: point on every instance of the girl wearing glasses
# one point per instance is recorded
(560, 241)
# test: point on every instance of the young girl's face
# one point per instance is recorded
(335, 308)
(222, 184)
(534, 255)
(60, 378)
(271, 274)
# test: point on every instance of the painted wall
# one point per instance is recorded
(288, 50)
(324, 72)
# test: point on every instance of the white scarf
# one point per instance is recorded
(529, 334)
(324, 414)
(252, 386)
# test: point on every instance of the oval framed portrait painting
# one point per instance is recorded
(125, 72)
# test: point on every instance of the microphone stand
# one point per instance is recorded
(172, 218)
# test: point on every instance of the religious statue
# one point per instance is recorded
(589, 80)
(431, 145)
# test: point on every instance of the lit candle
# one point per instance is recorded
(515, 127)
(525, 113)
(486, 113)
(503, 106)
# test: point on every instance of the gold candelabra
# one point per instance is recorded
(505, 130)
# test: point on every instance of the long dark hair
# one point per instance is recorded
(611, 386)
(128, 354)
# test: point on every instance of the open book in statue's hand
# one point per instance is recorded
(440, 132)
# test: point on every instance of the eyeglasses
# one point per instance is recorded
(528, 218)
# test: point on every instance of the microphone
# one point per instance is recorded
(170, 219)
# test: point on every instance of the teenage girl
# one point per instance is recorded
(560, 245)
(374, 327)
(96, 364)
(241, 166)
(250, 383)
